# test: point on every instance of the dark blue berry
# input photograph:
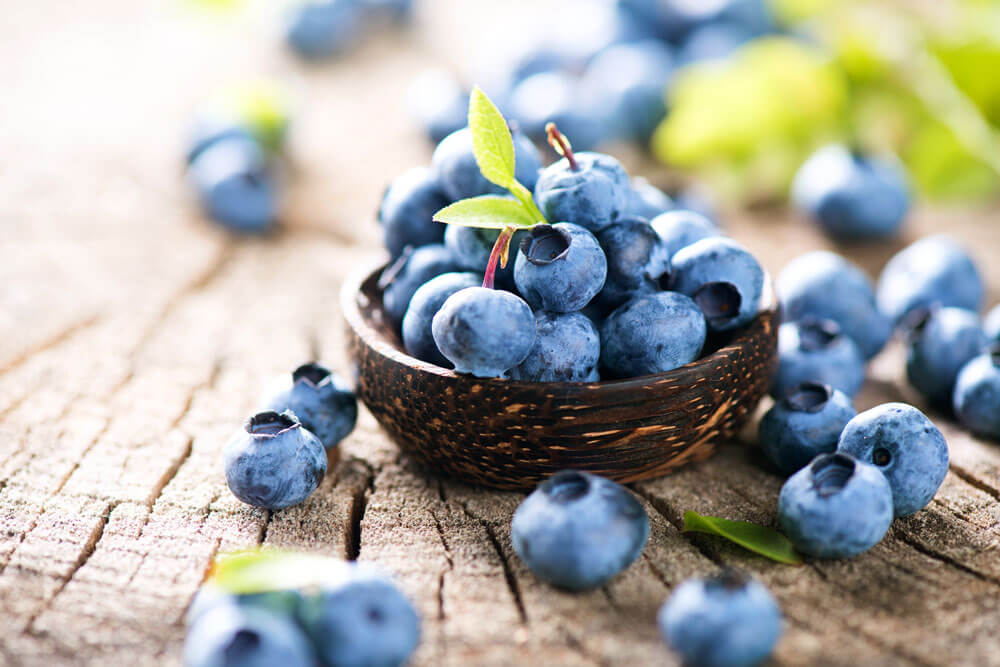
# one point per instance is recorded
(652, 334)
(976, 399)
(408, 208)
(806, 422)
(723, 278)
(559, 267)
(426, 302)
(939, 342)
(814, 350)
(593, 194)
(567, 349)
(638, 261)
(323, 401)
(401, 279)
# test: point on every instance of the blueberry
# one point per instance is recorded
(807, 421)
(577, 530)
(835, 507)
(470, 248)
(728, 620)
(591, 192)
(235, 185)
(933, 270)
(439, 103)
(638, 261)
(411, 270)
(902, 443)
(361, 620)
(939, 342)
(484, 332)
(212, 128)
(567, 349)
(722, 277)
(652, 334)
(991, 325)
(323, 402)
(850, 195)
(977, 394)
(426, 302)
(273, 462)
(681, 228)
(318, 29)
(408, 208)
(815, 350)
(458, 173)
(646, 200)
(560, 267)
(629, 81)
(824, 285)
(240, 636)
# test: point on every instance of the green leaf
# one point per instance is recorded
(764, 541)
(487, 212)
(259, 571)
(491, 140)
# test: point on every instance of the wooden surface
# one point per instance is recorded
(134, 338)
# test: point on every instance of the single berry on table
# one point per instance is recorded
(245, 636)
(323, 402)
(559, 267)
(939, 341)
(401, 279)
(578, 530)
(816, 350)
(723, 278)
(272, 462)
(835, 507)
(408, 208)
(728, 620)
(235, 185)
(976, 399)
(804, 423)
(567, 349)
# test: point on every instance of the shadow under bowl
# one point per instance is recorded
(513, 435)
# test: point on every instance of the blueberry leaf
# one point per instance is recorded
(260, 571)
(487, 212)
(758, 539)
(491, 140)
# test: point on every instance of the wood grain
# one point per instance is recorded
(134, 338)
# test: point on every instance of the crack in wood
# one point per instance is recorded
(972, 480)
(66, 334)
(359, 504)
(508, 571)
(945, 558)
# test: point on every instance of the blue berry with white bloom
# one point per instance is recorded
(939, 342)
(235, 185)
(645, 200)
(567, 349)
(806, 422)
(560, 267)
(426, 302)
(638, 261)
(815, 350)
(322, 401)
(578, 530)
(408, 208)
(991, 325)
(471, 247)
(319, 29)
(652, 334)
(723, 278)
(976, 399)
(454, 161)
(246, 636)
(681, 228)
(401, 279)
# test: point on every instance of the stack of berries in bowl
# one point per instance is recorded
(570, 272)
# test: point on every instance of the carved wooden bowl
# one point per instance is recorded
(512, 435)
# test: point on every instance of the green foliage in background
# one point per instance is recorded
(920, 80)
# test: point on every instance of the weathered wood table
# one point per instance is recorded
(134, 338)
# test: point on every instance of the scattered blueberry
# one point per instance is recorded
(587, 189)
(652, 334)
(637, 259)
(412, 269)
(815, 350)
(577, 530)
(939, 342)
(646, 200)
(273, 462)
(212, 128)
(977, 394)
(902, 443)
(245, 636)
(458, 173)
(806, 422)
(559, 267)
(836, 507)
(439, 103)
(681, 228)
(850, 195)
(408, 208)
(723, 278)
(235, 185)
(426, 302)
(323, 402)
(728, 620)
(824, 285)
(484, 332)
(933, 270)
(470, 247)
(319, 29)
(567, 349)
(361, 619)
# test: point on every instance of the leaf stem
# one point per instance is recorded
(561, 145)
(499, 254)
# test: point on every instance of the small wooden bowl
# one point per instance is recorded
(512, 435)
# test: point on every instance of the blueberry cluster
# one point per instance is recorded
(279, 457)
(327, 613)
(603, 75)
(599, 291)
(323, 29)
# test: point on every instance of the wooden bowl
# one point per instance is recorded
(512, 435)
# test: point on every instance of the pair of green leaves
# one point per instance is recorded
(493, 146)
(758, 539)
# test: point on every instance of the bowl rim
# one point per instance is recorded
(352, 311)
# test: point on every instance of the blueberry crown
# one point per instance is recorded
(312, 373)
(729, 578)
(808, 397)
(545, 244)
(817, 334)
(566, 486)
(915, 323)
(719, 301)
(831, 473)
(269, 424)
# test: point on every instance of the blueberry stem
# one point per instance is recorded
(561, 144)
(499, 254)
